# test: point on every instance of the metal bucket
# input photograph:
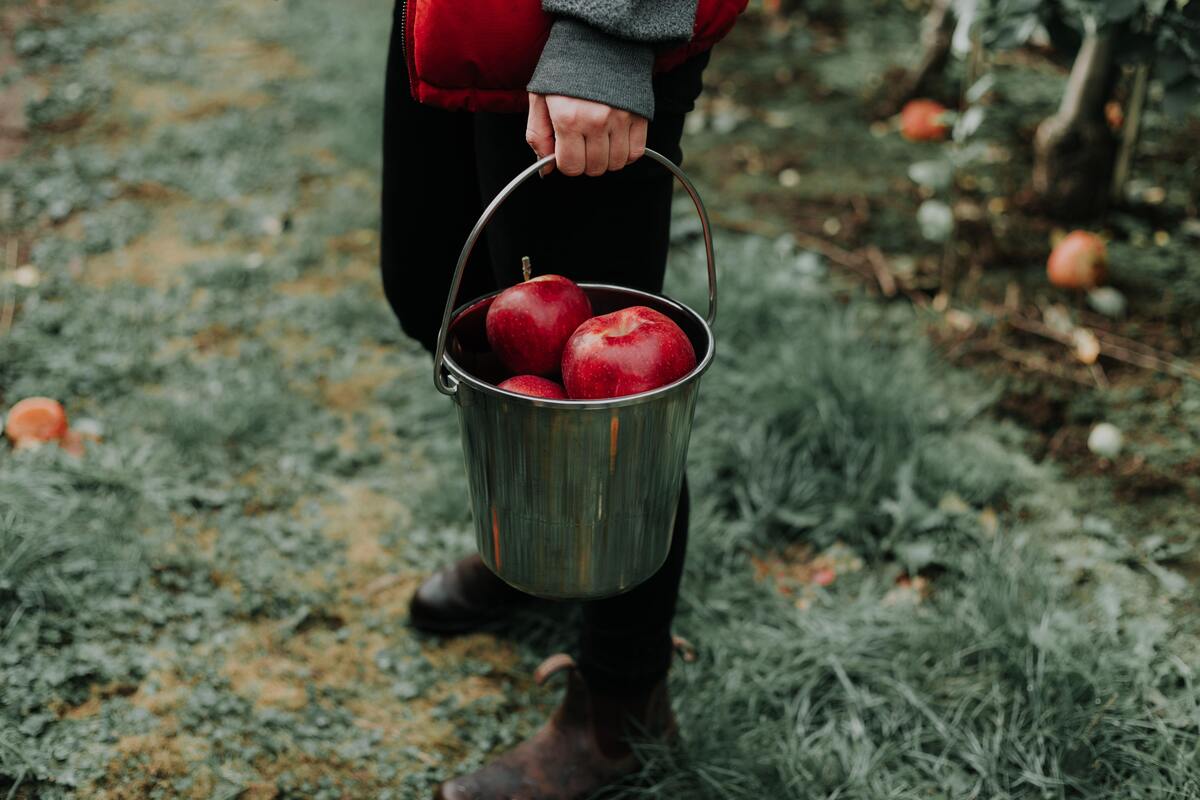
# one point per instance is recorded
(572, 499)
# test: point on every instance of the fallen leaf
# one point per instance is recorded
(960, 320)
(952, 503)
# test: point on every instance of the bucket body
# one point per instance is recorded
(573, 499)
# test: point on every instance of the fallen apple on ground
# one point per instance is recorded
(1079, 261)
(626, 352)
(534, 386)
(35, 420)
(922, 121)
(528, 324)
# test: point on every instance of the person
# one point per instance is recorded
(602, 215)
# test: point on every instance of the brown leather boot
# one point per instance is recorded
(463, 597)
(583, 748)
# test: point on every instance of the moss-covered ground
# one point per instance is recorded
(903, 582)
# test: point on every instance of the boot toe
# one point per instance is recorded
(433, 610)
(428, 609)
(461, 598)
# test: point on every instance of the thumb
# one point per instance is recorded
(539, 131)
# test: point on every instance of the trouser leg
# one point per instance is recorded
(430, 201)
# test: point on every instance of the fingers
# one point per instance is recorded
(618, 147)
(637, 138)
(597, 153)
(570, 153)
(589, 137)
(539, 131)
(576, 123)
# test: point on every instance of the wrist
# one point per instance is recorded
(581, 61)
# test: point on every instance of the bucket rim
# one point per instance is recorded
(461, 376)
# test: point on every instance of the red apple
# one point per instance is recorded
(922, 121)
(36, 419)
(628, 351)
(534, 386)
(1079, 261)
(528, 324)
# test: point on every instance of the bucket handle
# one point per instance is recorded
(445, 383)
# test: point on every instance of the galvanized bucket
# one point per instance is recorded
(571, 499)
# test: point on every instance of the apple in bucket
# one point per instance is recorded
(534, 386)
(529, 323)
(626, 352)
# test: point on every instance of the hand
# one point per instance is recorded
(584, 136)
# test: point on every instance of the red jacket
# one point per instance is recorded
(478, 55)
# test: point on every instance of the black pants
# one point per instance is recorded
(438, 169)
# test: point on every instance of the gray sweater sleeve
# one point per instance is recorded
(603, 50)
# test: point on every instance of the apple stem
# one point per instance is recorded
(526, 267)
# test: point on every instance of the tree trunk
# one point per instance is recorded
(1074, 149)
(1131, 131)
(937, 32)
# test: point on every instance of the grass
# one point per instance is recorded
(211, 602)
(1001, 686)
(1009, 681)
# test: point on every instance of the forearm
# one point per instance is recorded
(581, 61)
(603, 50)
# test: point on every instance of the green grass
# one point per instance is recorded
(1010, 681)
(1001, 686)
(214, 524)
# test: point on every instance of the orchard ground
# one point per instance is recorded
(909, 577)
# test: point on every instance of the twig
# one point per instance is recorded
(7, 312)
(860, 263)
(1100, 325)
(1113, 339)
(862, 208)
(1012, 296)
(422, 756)
(1056, 441)
(1036, 363)
(1038, 329)
(1116, 347)
(1168, 365)
(9, 309)
(883, 272)
(1142, 356)
(756, 226)
(962, 346)
(807, 241)
(382, 584)
(837, 255)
